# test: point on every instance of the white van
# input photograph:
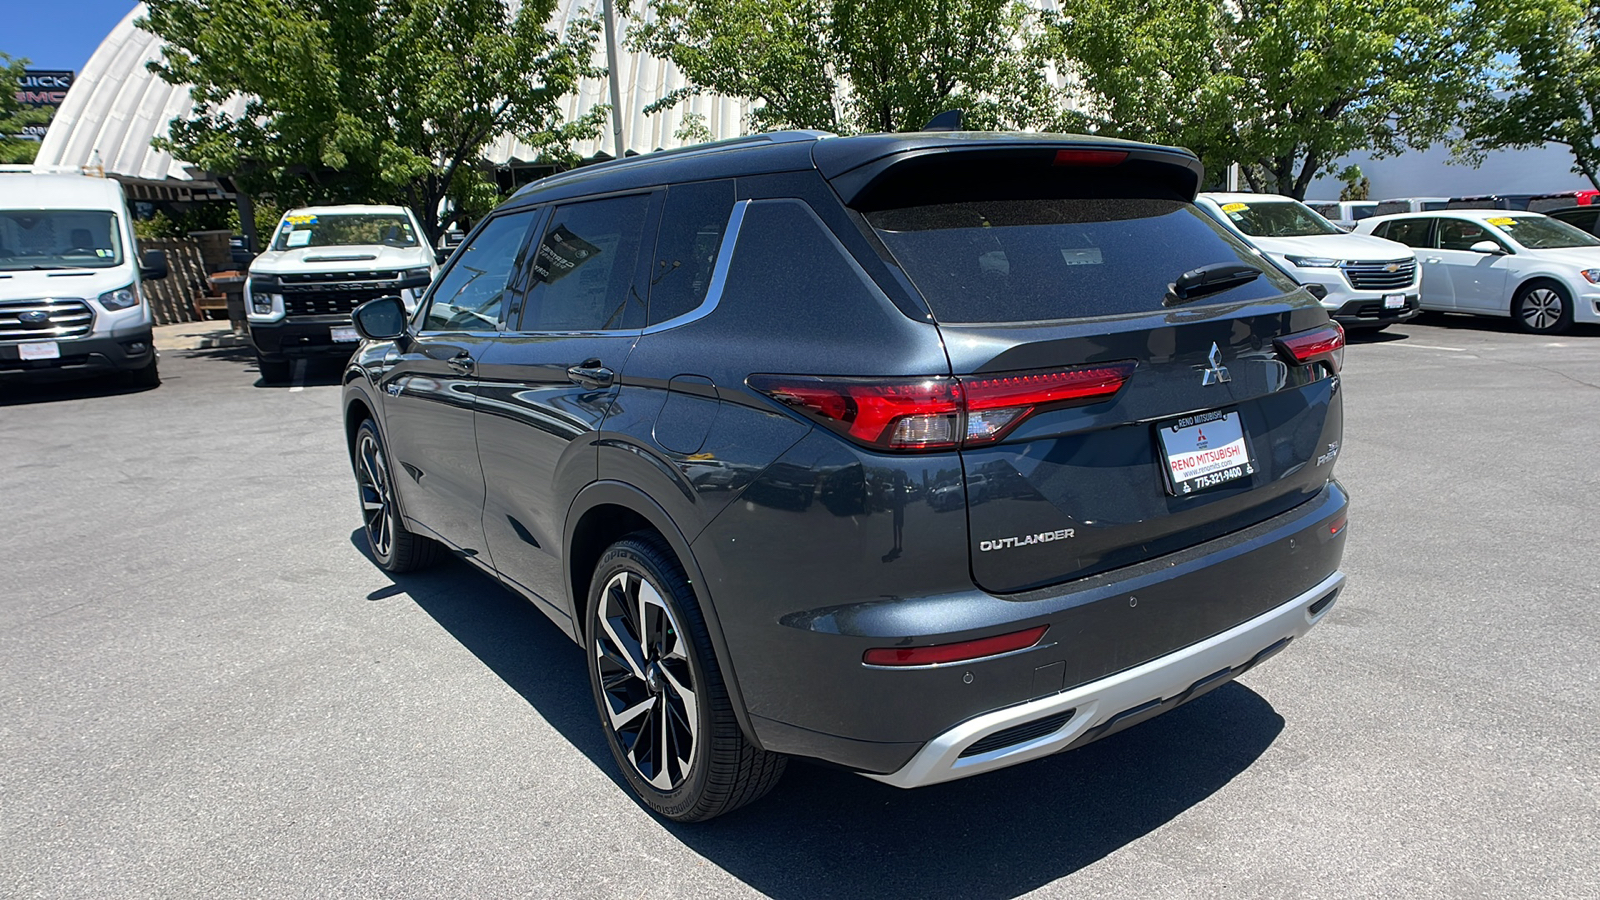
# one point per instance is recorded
(71, 299)
(321, 263)
(1363, 281)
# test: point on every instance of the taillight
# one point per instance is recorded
(1325, 343)
(949, 653)
(939, 412)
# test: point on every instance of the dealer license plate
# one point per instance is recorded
(344, 334)
(40, 350)
(1204, 450)
(1394, 301)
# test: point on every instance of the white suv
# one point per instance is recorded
(1364, 282)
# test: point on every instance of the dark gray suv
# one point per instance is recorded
(920, 454)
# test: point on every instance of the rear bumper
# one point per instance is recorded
(808, 693)
(300, 337)
(1089, 712)
(124, 350)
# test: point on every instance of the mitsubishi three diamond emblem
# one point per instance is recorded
(1217, 372)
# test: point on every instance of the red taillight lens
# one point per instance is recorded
(949, 653)
(1325, 343)
(894, 414)
(997, 403)
(939, 412)
(1090, 157)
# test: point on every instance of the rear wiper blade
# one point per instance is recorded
(1210, 279)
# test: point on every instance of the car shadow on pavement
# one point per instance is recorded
(1497, 325)
(304, 373)
(24, 393)
(830, 833)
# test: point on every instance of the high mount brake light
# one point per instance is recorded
(1324, 343)
(941, 412)
(1090, 157)
(960, 652)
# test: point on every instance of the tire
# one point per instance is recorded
(273, 371)
(1542, 307)
(393, 547)
(146, 376)
(666, 690)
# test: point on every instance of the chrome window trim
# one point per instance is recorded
(719, 275)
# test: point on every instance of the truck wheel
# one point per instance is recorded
(273, 371)
(146, 376)
(394, 548)
(662, 701)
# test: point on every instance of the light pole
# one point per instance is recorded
(615, 76)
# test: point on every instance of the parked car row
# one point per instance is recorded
(1346, 213)
(1542, 271)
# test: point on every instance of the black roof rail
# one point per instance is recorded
(770, 137)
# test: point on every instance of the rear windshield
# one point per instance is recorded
(59, 239)
(1037, 260)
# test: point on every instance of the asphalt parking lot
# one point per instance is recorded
(206, 689)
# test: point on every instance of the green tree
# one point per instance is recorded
(14, 116)
(1285, 88)
(1550, 87)
(851, 66)
(368, 101)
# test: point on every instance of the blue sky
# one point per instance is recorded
(60, 38)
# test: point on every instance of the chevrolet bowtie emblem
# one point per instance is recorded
(1217, 372)
(1392, 267)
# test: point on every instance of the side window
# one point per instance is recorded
(471, 294)
(1460, 234)
(686, 248)
(1411, 232)
(585, 268)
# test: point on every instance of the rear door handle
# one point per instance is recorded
(591, 374)
(1431, 259)
(462, 362)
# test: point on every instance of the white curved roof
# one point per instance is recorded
(117, 105)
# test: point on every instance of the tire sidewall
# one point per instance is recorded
(633, 556)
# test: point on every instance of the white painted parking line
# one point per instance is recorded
(1423, 347)
(299, 376)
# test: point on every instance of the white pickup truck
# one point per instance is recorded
(321, 263)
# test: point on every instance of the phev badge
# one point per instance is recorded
(1217, 372)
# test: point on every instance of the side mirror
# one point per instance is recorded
(1489, 247)
(442, 256)
(383, 319)
(153, 267)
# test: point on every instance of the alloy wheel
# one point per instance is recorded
(377, 503)
(1542, 309)
(651, 701)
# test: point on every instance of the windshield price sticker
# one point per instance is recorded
(1204, 450)
(1501, 220)
(1234, 207)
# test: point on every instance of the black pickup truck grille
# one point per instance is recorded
(328, 303)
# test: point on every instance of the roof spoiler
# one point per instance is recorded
(873, 173)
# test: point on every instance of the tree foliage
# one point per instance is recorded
(368, 101)
(1550, 86)
(14, 116)
(1282, 87)
(851, 66)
